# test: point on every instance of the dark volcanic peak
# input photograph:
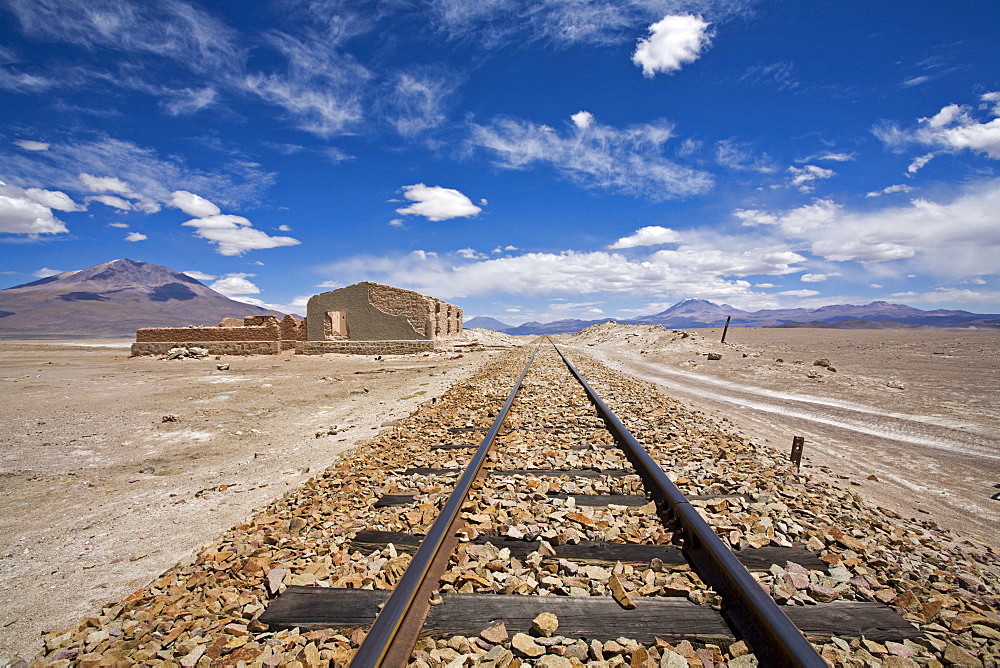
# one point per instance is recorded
(113, 299)
(699, 306)
(485, 322)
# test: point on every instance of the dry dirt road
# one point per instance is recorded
(114, 468)
(909, 418)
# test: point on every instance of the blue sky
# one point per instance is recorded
(524, 159)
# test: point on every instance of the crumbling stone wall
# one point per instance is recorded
(292, 329)
(254, 335)
(269, 332)
(376, 312)
(413, 306)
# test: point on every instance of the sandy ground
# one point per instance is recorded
(910, 418)
(98, 494)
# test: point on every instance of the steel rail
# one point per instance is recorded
(386, 642)
(774, 639)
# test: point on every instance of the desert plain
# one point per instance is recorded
(113, 468)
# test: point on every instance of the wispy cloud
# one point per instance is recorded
(804, 178)
(594, 155)
(780, 75)
(594, 22)
(889, 190)
(110, 166)
(31, 145)
(828, 155)
(321, 87)
(417, 100)
(741, 157)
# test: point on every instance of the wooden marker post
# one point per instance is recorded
(798, 442)
(726, 328)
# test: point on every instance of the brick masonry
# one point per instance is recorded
(361, 319)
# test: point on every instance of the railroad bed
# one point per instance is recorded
(559, 524)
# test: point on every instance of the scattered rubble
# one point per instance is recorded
(193, 352)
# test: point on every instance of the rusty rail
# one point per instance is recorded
(754, 614)
(391, 639)
(775, 640)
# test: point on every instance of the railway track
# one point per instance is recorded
(541, 500)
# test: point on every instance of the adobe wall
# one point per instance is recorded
(365, 321)
(447, 320)
(270, 332)
(292, 329)
(378, 312)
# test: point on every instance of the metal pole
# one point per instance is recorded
(798, 442)
(728, 318)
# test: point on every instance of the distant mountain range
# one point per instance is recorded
(693, 313)
(113, 299)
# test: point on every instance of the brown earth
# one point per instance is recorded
(99, 494)
(909, 418)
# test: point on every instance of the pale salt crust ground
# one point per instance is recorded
(83, 519)
(98, 494)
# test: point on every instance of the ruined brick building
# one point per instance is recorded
(364, 318)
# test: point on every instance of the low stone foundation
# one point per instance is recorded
(213, 347)
(408, 347)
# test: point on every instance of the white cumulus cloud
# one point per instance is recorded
(654, 235)
(54, 199)
(954, 128)
(22, 214)
(437, 203)
(672, 42)
(959, 237)
(582, 119)
(235, 235)
(198, 275)
(118, 189)
(193, 205)
(135, 236)
(235, 284)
